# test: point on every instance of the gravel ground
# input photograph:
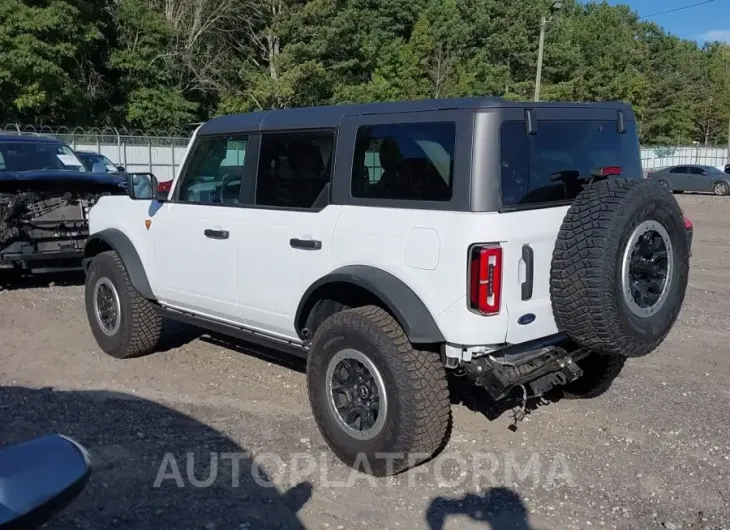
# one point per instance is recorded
(217, 436)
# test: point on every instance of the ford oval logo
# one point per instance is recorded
(524, 320)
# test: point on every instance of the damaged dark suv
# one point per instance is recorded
(45, 196)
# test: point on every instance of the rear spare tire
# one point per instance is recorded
(620, 267)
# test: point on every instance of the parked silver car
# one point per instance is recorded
(693, 178)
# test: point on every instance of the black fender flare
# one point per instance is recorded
(120, 243)
(405, 305)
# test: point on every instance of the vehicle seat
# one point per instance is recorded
(390, 160)
(307, 167)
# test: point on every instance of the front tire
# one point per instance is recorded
(720, 188)
(123, 322)
(381, 405)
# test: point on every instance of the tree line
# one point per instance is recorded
(165, 64)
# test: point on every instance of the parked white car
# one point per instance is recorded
(392, 244)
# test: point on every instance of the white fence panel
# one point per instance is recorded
(658, 157)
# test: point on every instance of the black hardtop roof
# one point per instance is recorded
(328, 117)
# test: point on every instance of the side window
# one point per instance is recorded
(681, 169)
(410, 161)
(515, 162)
(696, 171)
(215, 174)
(295, 169)
(2, 161)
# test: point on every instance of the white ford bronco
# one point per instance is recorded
(394, 244)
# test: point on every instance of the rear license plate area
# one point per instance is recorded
(544, 384)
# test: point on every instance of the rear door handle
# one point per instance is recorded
(528, 255)
(216, 234)
(305, 244)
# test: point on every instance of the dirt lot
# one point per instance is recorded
(166, 432)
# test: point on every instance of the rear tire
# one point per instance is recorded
(409, 422)
(136, 328)
(599, 372)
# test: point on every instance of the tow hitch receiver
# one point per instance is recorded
(569, 373)
(540, 370)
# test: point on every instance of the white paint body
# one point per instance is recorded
(255, 279)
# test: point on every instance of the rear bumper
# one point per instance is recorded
(539, 365)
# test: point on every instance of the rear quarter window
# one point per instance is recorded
(554, 165)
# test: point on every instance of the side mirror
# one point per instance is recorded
(120, 169)
(144, 187)
(39, 478)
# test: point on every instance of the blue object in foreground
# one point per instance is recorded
(38, 478)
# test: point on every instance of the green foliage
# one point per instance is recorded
(162, 64)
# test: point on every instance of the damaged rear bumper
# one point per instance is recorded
(538, 365)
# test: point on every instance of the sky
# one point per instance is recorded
(701, 23)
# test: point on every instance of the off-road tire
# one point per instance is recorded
(141, 328)
(418, 411)
(586, 273)
(599, 372)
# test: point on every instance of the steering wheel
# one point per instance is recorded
(227, 179)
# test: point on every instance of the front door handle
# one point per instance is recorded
(216, 234)
(305, 244)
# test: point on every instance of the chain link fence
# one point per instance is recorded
(162, 152)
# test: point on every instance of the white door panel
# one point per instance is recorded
(272, 274)
(197, 272)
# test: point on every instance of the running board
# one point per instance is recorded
(230, 330)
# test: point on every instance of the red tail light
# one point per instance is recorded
(687, 223)
(485, 279)
(611, 171)
(164, 187)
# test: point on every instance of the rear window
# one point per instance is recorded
(554, 165)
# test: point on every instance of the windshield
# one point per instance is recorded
(33, 156)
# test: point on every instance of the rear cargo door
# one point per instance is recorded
(544, 167)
